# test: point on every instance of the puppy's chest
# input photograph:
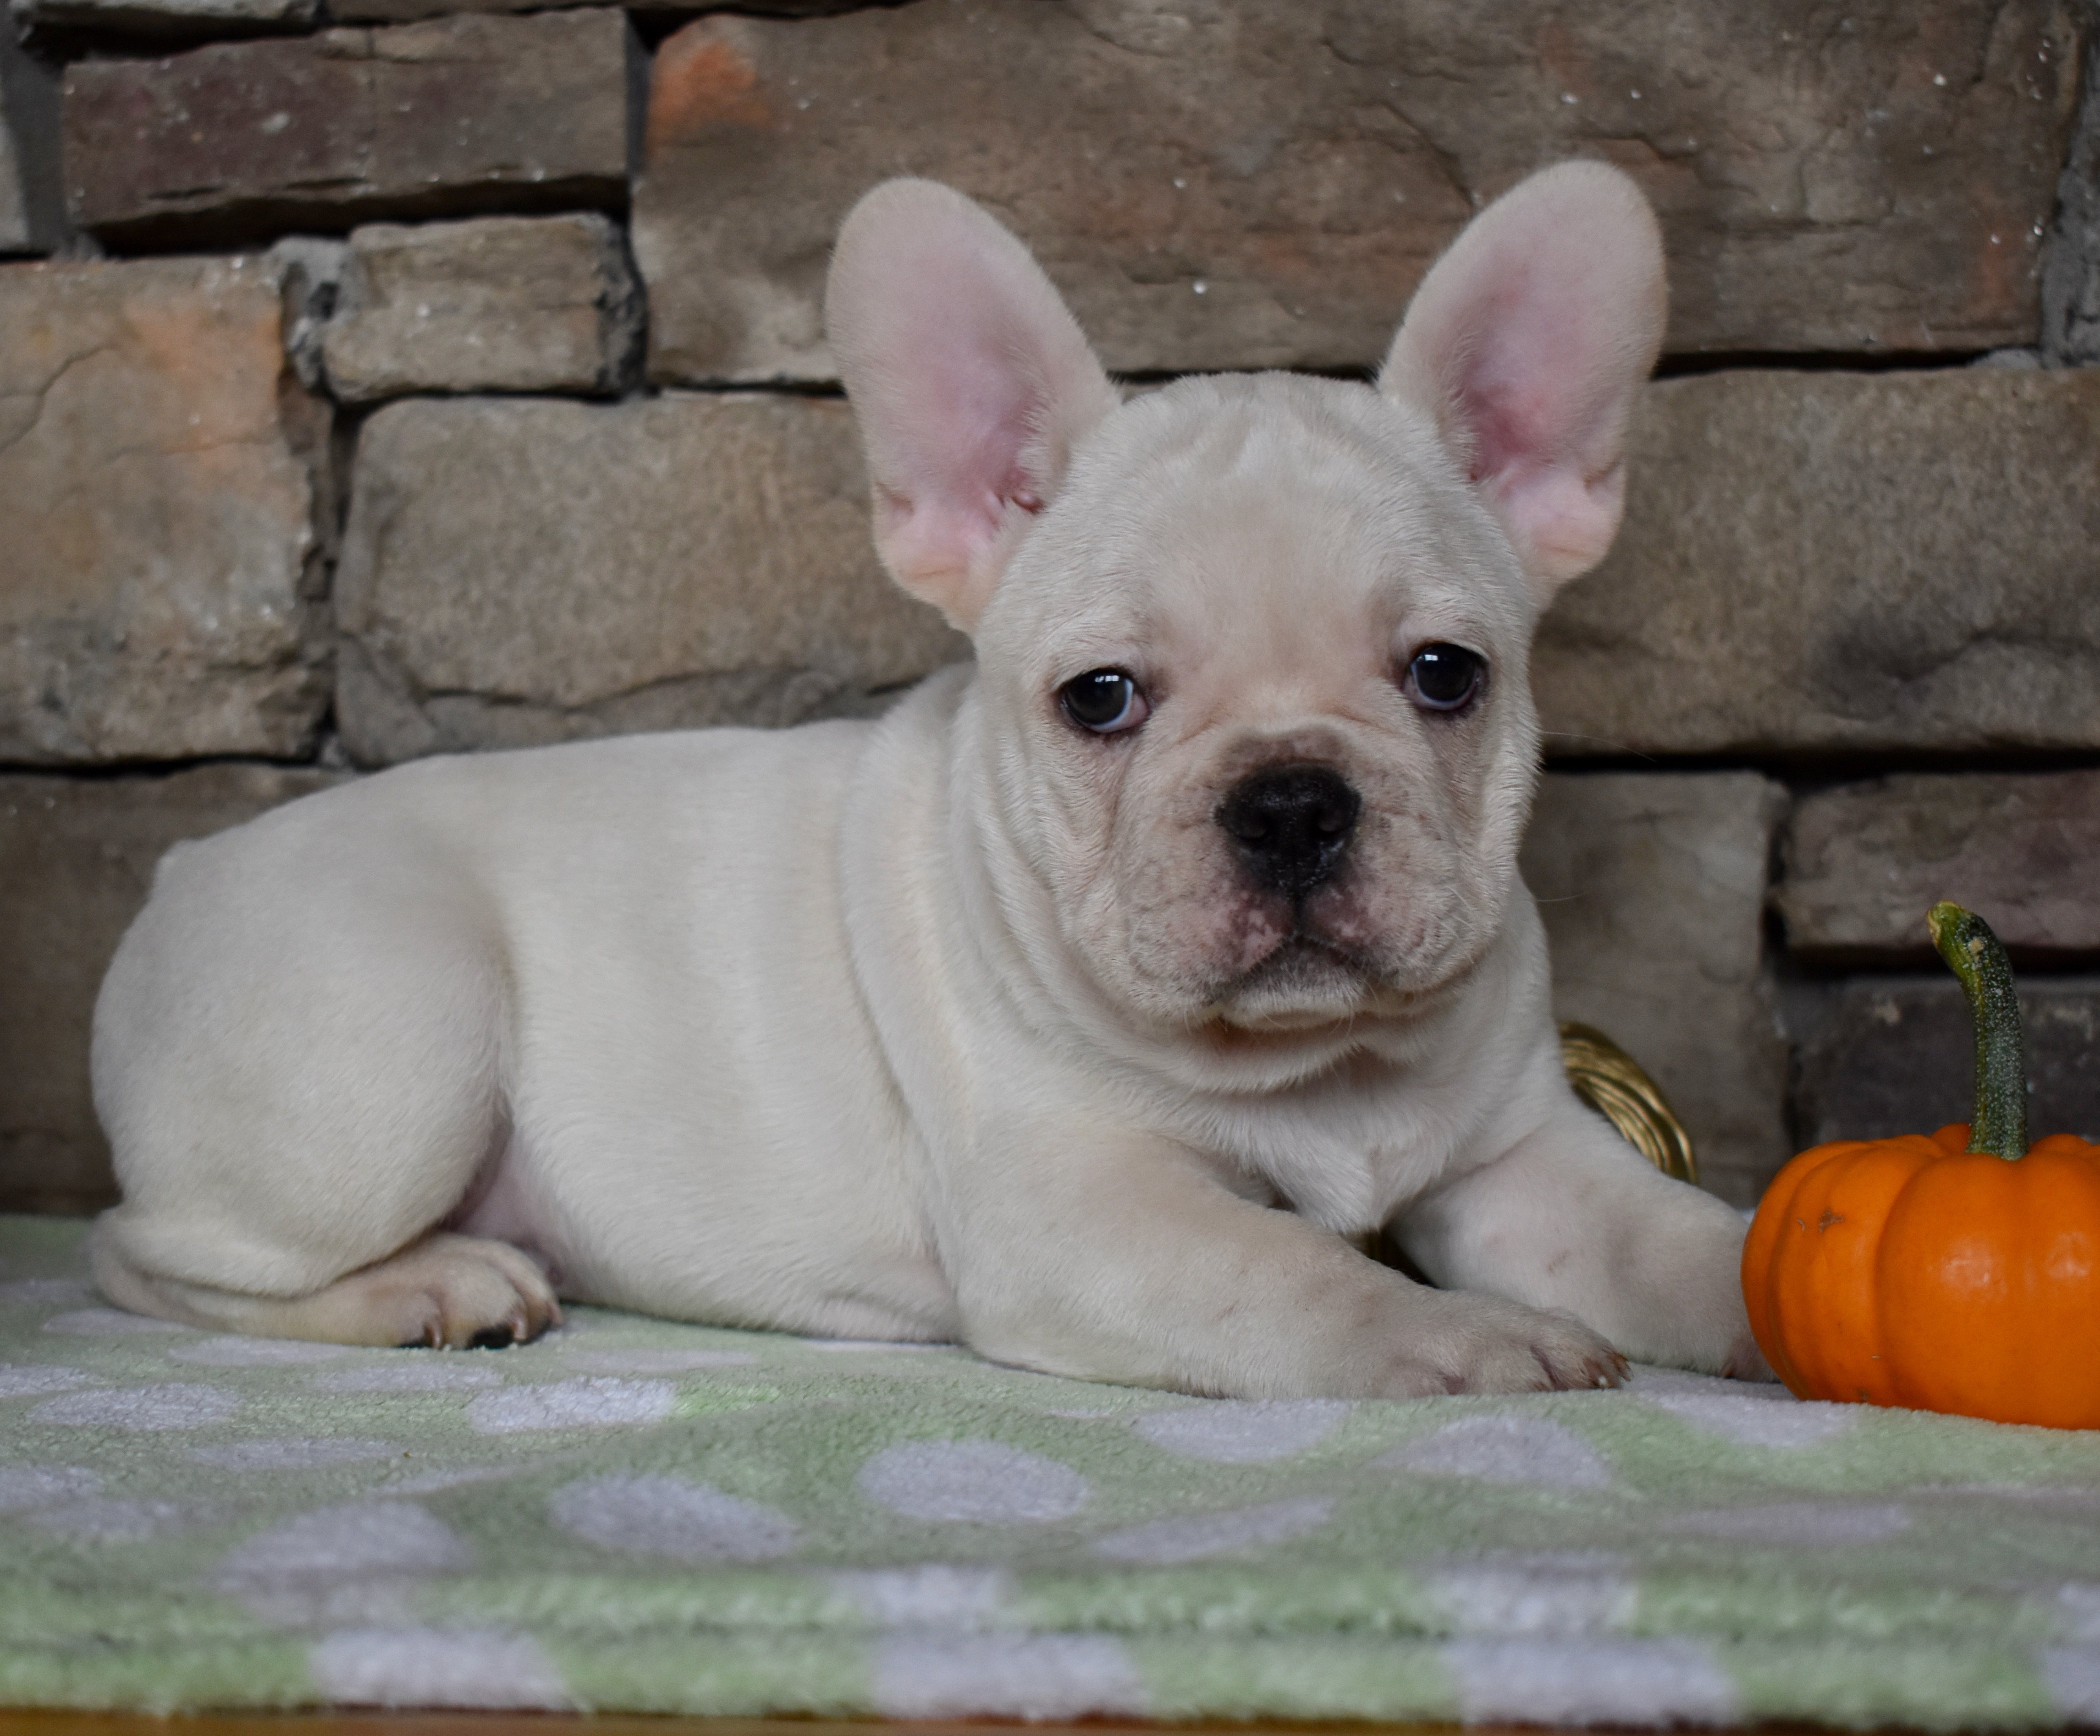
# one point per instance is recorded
(1347, 1165)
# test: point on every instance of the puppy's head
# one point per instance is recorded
(1251, 649)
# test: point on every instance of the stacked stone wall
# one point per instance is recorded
(389, 377)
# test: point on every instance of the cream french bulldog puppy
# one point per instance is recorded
(1078, 1008)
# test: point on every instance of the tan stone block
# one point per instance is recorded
(519, 571)
(76, 857)
(1237, 183)
(1864, 862)
(1652, 885)
(1821, 562)
(241, 140)
(513, 304)
(159, 493)
(401, 11)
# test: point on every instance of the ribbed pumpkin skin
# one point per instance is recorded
(1910, 1271)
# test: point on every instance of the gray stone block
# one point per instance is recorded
(1864, 862)
(513, 304)
(31, 194)
(166, 20)
(1237, 183)
(517, 571)
(160, 490)
(1896, 1056)
(2071, 262)
(76, 857)
(1653, 886)
(241, 140)
(1824, 562)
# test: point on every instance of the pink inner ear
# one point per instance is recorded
(1529, 341)
(1519, 409)
(969, 379)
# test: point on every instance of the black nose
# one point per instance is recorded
(1290, 824)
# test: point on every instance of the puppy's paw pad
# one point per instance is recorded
(457, 1292)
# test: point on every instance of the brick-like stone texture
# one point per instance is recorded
(518, 571)
(1895, 1056)
(2070, 262)
(1233, 183)
(1816, 562)
(401, 11)
(1652, 885)
(158, 504)
(32, 201)
(166, 20)
(1864, 862)
(515, 304)
(246, 139)
(77, 858)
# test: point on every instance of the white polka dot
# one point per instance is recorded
(1589, 1681)
(593, 1404)
(51, 1292)
(360, 1541)
(1523, 1450)
(1228, 1431)
(1165, 1542)
(114, 1521)
(416, 1370)
(1035, 1676)
(170, 1405)
(1753, 1413)
(931, 1595)
(655, 1361)
(436, 1667)
(291, 1453)
(1794, 1524)
(256, 1353)
(1568, 1593)
(2081, 1605)
(2071, 1674)
(665, 1516)
(23, 1379)
(110, 1323)
(1758, 1422)
(978, 1481)
(26, 1486)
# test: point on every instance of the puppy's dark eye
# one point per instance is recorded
(1446, 677)
(1106, 701)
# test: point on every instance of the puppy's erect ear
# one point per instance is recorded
(971, 381)
(1529, 342)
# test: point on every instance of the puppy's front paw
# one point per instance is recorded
(1745, 1361)
(454, 1292)
(1479, 1344)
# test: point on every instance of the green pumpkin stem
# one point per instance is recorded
(1972, 952)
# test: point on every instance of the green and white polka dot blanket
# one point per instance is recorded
(634, 1515)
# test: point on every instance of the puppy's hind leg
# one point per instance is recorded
(445, 1291)
(298, 1092)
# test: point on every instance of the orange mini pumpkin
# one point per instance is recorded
(1951, 1271)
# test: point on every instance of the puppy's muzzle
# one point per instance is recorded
(1290, 825)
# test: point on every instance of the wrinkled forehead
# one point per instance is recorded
(1286, 509)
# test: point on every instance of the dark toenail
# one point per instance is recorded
(492, 1338)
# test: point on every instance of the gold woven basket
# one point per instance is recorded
(1611, 1082)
